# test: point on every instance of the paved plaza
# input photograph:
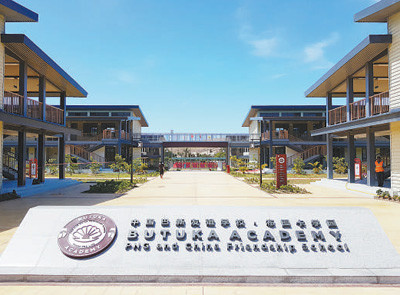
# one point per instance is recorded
(196, 188)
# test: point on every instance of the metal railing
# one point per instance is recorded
(54, 115)
(13, 103)
(308, 153)
(379, 104)
(280, 134)
(196, 137)
(338, 115)
(84, 154)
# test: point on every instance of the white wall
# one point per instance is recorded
(394, 91)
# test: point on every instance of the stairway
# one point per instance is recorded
(83, 154)
(308, 155)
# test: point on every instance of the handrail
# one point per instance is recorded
(337, 115)
(313, 151)
(13, 103)
(379, 104)
(84, 154)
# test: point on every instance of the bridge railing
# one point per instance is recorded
(196, 137)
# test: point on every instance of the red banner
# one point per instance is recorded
(281, 170)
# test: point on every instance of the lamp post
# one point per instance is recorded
(261, 120)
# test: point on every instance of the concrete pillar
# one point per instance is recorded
(23, 85)
(329, 156)
(61, 157)
(162, 154)
(41, 157)
(370, 157)
(328, 106)
(369, 86)
(63, 106)
(21, 157)
(349, 97)
(351, 152)
(42, 95)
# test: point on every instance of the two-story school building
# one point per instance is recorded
(106, 130)
(287, 129)
(368, 78)
(28, 77)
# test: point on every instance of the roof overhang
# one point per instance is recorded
(37, 59)
(14, 12)
(134, 108)
(364, 52)
(378, 12)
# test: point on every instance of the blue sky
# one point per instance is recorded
(196, 66)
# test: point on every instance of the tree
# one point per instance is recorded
(220, 154)
(94, 166)
(72, 165)
(53, 167)
(119, 164)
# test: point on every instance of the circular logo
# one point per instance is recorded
(281, 160)
(87, 235)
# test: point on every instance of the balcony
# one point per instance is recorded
(14, 104)
(379, 104)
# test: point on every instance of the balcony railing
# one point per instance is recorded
(13, 103)
(337, 115)
(280, 134)
(379, 104)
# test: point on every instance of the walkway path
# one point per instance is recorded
(197, 188)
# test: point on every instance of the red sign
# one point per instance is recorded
(358, 168)
(281, 170)
(33, 171)
(87, 235)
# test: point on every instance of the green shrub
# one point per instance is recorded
(339, 165)
(270, 187)
(111, 186)
(298, 166)
(252, 179)
(94, 166)
(72, 165)
(317, 167)
(53, 167)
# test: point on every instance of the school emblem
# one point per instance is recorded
(87, 235)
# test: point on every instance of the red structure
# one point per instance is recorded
(281, 170)
(33, 171)
(357, 168)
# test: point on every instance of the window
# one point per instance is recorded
(291, 114)
(120, 114)
(77, 114)
(312, 114)
(99, 114)
(269, 114)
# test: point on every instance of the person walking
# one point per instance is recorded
(380, 171)
(161, 169)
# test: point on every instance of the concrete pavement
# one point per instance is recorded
(198, 188)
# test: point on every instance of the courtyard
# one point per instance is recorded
(196, 188)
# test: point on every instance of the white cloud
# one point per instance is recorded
(315, 53)
(277, 76)
(126, 77)
(262, 45)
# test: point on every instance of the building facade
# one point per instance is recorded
(28, 77)
(106, 130)
(368, 78)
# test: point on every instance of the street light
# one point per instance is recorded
(258, 119)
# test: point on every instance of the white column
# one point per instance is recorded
(2, 72)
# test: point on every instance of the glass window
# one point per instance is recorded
(120, 114)
(99, 114)
(269, 114)
(291, 114)
(312, 114)
(77, 114)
